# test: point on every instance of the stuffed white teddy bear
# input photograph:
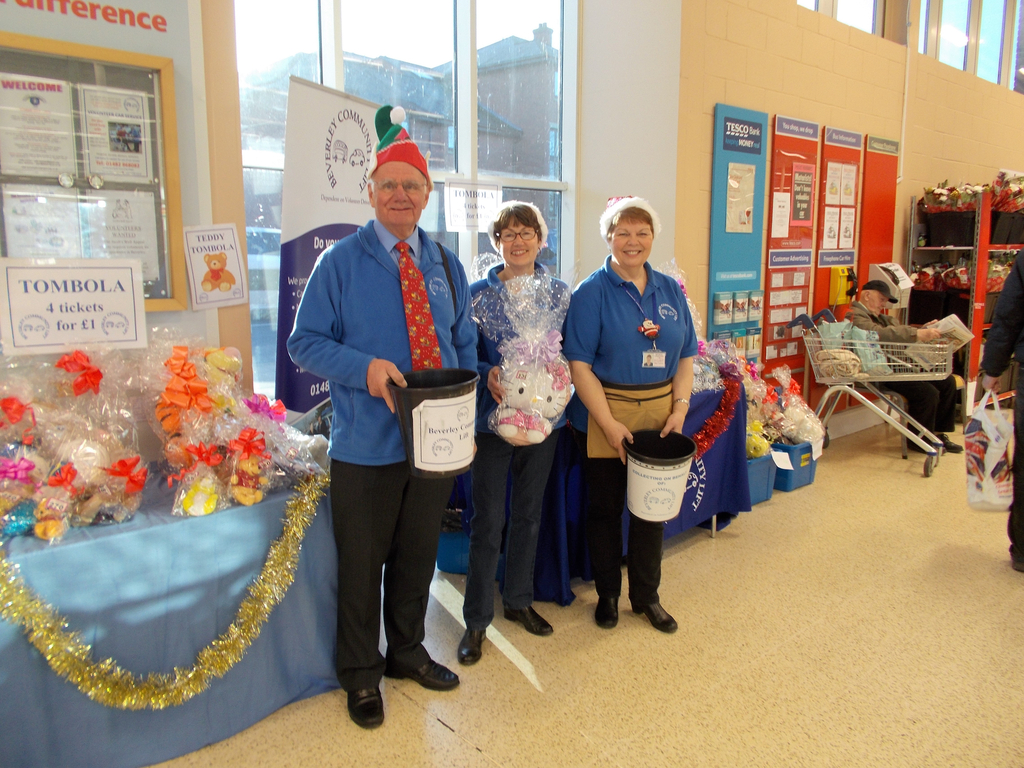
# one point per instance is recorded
(535, 396)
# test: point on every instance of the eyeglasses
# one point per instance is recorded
(510, 237)
(390, 186)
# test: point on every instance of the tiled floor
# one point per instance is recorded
(871, 619)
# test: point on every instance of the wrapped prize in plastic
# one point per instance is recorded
(251, 467)
(201, 491)
(524, 320)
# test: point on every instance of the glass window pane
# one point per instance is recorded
(1017, 75)
(953, 32)
(519, 88)
(273, 41)
(550, 204)
(990, 39)
(922, 27)
(857, 13)
(812, 4)
(406, 64)
(434, 223)
(263, 245)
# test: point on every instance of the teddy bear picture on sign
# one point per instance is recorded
(215, 268)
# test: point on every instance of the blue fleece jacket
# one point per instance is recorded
(352, 312)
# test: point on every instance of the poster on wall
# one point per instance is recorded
(36, 130)
(803, 191)
(329, 141)
(847, 218)
(780, 214)
(739, 197)
(122, 225)
(830, 229)
(470, 207)
(833, 184)
(848, 195)
(215, 272)
(41, 222)
(116, 125)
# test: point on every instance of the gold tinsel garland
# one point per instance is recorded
(106, 682)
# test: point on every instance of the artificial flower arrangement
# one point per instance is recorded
(1008, 192)
(945, 198)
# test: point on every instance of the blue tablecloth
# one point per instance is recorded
(717, 486)
(150, 594)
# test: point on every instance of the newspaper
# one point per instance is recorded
(953, 331)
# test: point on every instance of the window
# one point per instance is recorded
(861, 14)
(513, 133)
(982, 37)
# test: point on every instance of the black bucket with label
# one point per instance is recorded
(658, 469)
(437, 415)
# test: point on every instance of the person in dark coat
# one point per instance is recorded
(1006, 339)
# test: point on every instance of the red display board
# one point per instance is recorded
(837, 215)
(790, 239)
(878, 203)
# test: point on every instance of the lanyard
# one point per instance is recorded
(649, 328)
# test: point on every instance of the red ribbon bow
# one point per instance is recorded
(186, 391)
(89, 375)
(204, 454)
(64, 478)
(250, 442)
(133, 481)
(14, 410)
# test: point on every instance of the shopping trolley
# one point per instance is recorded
(848, 364)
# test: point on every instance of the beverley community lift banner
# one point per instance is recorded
(329, 140)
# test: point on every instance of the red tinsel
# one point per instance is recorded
(718, 422)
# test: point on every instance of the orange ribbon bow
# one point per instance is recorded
(250, 442)
(186, 391)
(89, 375)
(133, 481)
(64, 478)
(204, 454)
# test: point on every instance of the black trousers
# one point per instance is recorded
(383, 519)
(1015, 527)
(606, 497)
(933, 403)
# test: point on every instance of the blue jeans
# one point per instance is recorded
(531, 466)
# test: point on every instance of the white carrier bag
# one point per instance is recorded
(989, 476)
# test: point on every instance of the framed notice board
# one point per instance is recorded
(89, 160)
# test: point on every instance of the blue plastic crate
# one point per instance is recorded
(761, 474)
(453, 552)
(804, 464)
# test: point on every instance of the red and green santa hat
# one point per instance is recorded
(395, 144)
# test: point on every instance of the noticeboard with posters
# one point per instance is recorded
(88, 160)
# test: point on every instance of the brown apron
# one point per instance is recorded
(637, 407)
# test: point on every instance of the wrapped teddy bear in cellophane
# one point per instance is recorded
(525, 321)
(252, 470)
(22, 472)
(202, 479)
(296, 454)
(799, 424)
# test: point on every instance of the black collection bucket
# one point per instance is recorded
(658, 469)
(437, 416)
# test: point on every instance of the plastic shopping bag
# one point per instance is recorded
(987, 438)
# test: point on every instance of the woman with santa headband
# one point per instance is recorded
(630, 343)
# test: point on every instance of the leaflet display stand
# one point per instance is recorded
(737, 219)
(790, 238)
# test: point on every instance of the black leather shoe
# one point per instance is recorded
(607, 612)
(660, 618)
(530, 619)
(432, 675)
(366, 707)
(470, 646)
(949, 446)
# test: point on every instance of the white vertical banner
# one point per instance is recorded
(329, 141)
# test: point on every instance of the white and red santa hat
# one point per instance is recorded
(617, 205)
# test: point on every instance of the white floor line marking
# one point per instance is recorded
(451, 599)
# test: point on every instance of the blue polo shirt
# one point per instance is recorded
(601, 330)
(489, 290)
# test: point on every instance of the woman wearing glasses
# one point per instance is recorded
(518, 232)
(630, 343)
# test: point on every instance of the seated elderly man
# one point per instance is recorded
(932, 403)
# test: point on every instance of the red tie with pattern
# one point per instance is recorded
(422, 337)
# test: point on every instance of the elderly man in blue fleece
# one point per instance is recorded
(364, 318)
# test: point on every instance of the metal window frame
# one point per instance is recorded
(1009, 42)
(831, 9)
